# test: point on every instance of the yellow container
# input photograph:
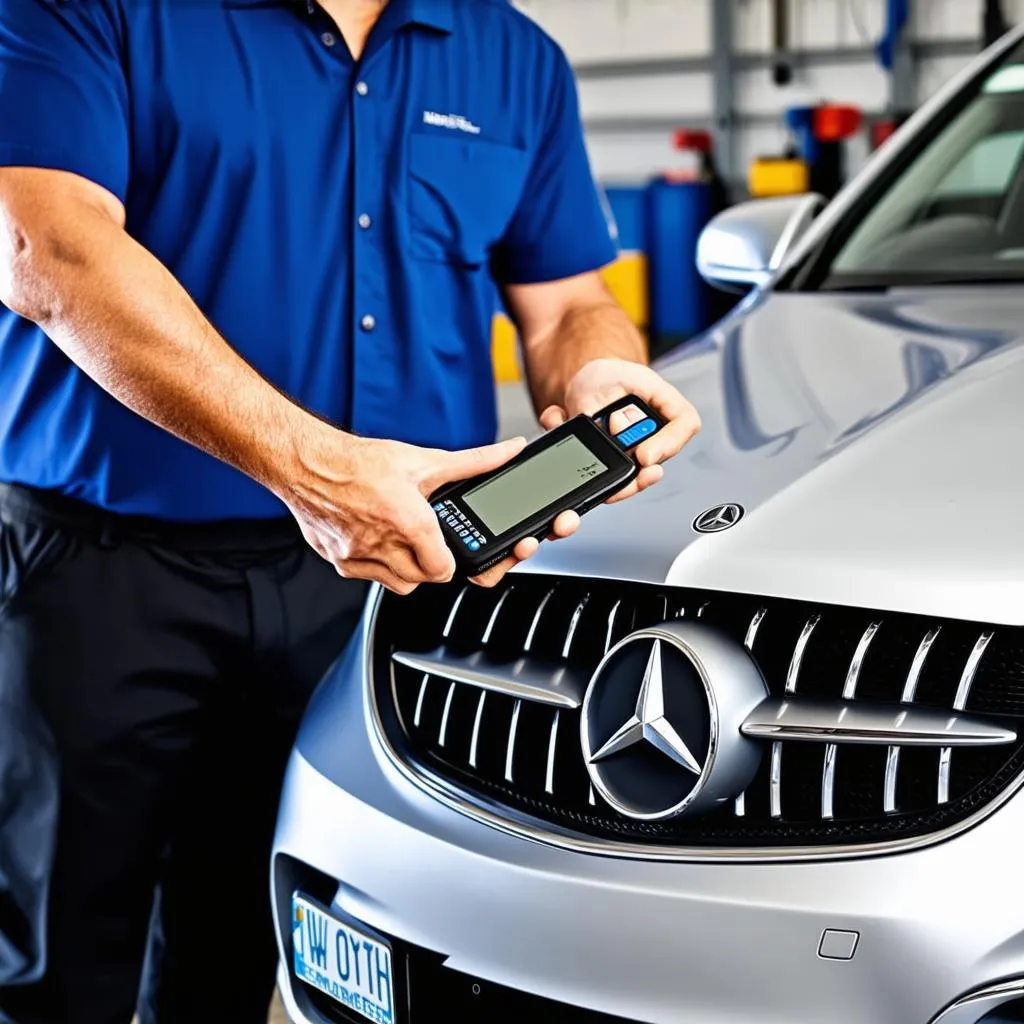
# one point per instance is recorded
(626, 279)
(771, 176)
(505, 351)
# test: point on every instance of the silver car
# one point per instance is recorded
(749, 747)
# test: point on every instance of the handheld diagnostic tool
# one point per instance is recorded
(574, 467)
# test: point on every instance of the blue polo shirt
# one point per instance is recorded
(341, 223)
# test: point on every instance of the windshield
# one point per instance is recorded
(955, 213)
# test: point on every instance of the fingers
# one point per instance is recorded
(428, 561)
(433, 561)
(375, 572)
(682, 426)
(553, 416)
(623, 419)
(418, 555)
(400, 573)
(491, 577)
(564, 526)
(444, 467)
(647, 477)
(525, 549)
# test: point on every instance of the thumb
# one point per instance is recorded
(462, 465)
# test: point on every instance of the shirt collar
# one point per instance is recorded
(436, 14)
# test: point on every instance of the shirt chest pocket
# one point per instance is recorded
(463, 192)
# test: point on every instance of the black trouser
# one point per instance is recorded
(151, 681)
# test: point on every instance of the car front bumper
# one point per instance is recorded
(664, 943)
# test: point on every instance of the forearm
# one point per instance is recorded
(123, 318)
(585, 332)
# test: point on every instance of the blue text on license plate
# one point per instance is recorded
(342, 961)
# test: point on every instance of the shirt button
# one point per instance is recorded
(368, 322)
(328, 39)
(362, 88)
(364, 221)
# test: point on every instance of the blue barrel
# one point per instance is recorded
(675, 213)
(800, 121)
(626, 204)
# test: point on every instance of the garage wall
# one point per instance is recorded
(630, 115)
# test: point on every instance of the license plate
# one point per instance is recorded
(343, 961)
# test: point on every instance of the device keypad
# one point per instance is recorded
(452, 517)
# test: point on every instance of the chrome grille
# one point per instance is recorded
(482, 689)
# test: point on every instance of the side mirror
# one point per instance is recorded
(744, 246)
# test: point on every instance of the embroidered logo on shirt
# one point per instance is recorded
(456, 122)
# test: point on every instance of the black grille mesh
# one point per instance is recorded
(413, 707)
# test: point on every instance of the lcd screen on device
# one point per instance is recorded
(522, 491)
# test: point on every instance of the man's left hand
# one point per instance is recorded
(603, 381)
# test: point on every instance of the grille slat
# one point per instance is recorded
(573, 626)
(793, 672)
(510, 754)
(828, 782)
(610, 637)
(442, 734)
(749, 639)
(892, 762)
(549, 775)
(509, 751)
(486, 638)
(535, 621)
(453, 614)
(755, 624)
(418, 714)
(828, 776)
(474, 743)
(963, 692)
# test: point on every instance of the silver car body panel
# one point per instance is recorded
(872, 440)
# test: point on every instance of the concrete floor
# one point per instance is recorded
(516, 418)
(277, 1014)
(515, 411)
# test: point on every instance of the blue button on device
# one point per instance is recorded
(632, 435)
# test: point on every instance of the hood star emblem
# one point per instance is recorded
(648, 723)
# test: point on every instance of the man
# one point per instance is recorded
(248, 256)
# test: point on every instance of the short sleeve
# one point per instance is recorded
(63, 91)
(561, 226)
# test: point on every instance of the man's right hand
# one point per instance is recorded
(362, 505)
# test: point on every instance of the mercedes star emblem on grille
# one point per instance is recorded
(721, 517)
(661, 721)
(648, 723)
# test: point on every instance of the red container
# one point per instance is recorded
(880, 131)
(693, 139)
(834, 122)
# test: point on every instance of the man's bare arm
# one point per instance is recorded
(563, 326)
(67, 263)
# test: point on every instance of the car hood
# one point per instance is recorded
(876, 443)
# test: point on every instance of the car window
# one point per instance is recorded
(986, 169)
(955, 211)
